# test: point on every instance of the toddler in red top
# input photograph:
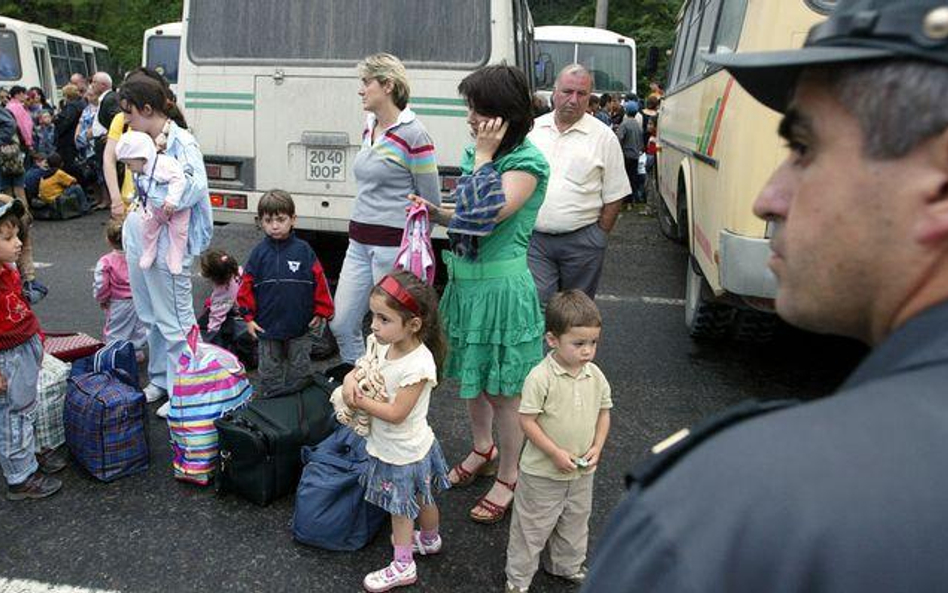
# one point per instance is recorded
(21, 354)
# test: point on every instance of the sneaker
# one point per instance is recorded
(394, 575)
(514, 589)
(577, 578)
(153, 393)
(162, 411)
(52, 460)
(36, 486)
(423, 549)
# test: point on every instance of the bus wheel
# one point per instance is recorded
(666, 223)
(755, 326)
(705, 318)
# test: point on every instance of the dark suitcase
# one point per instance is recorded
(260, 443)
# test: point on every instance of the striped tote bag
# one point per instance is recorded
(209, 382)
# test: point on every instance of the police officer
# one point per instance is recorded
(848, 493)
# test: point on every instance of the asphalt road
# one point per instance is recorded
(151, 533)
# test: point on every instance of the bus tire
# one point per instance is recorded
(704, 318)
(755, 327)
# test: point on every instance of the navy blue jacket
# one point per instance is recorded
(283, 288)
(848, 493)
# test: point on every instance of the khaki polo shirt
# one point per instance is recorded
(587, 171)
(567, 410)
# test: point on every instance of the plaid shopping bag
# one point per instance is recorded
(48, 428)
(70, 346)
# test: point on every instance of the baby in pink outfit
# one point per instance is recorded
(157, 174)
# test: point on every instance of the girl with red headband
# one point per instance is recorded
(406, 465)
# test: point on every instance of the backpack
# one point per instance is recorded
(209, 382)
(11, 159)
(416, 254)
(331, 511)
(105, 426)
(118, 358)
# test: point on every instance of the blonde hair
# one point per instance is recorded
(71, 91)
(387, 68)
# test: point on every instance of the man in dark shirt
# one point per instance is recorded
(847, 493)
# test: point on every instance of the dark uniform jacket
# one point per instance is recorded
(848, 493)
(283, 288)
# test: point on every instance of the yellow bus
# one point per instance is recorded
(717, 148)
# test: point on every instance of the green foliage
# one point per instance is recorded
(120, 24)
(651, 23)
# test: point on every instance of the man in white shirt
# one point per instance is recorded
(586, 187)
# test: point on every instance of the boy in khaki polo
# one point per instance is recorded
(564, 412)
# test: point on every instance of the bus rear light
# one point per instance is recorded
(231, 201)
(236, 202)
(225, 172)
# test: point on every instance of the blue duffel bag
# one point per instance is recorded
(105, 426)
(331, 512)
(118, 357)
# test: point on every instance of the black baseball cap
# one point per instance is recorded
(856, 31)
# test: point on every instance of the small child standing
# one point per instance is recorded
(137, 150)
(222, 270)
(114, 294)
(283, 293)
(406, 466)
(564, 412)
(44, 133)
(21, 356)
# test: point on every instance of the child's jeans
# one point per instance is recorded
(550, 518)
(21, 368)
(283, 362)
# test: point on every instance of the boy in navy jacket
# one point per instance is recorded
(283, 294)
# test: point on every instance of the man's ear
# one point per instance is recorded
(932, 226)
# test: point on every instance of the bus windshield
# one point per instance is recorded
(324, 32)
(611, 65)
(9, 56)
(163, 56)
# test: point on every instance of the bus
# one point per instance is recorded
(270, 89)
(160, 51)
(610, 57)
(33, 55)
(718, 146)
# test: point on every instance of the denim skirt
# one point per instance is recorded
(400, 488)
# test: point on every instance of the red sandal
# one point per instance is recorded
(495, 512)
(487, 468)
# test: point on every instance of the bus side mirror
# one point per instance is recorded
(651, 62)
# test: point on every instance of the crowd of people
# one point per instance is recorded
(528, 228)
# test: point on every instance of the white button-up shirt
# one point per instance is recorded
(587, 171)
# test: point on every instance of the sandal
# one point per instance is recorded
(487, 468)
(495, 512)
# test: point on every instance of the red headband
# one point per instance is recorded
(394, 289)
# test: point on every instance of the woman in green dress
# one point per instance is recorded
(491, 312)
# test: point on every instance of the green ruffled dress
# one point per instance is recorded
(490, 309)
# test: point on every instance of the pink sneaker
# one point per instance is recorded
(393, 575)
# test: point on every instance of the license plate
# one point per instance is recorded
(325, 164)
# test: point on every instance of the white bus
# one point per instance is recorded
(160, 49)
(609, 56)
(33, 55)
(270, 89)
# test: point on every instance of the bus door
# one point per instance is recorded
(307, 131)
(43, 69)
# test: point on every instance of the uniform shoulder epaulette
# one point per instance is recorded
(664, 454)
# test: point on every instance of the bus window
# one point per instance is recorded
(163, 56)
(67, 59)
(9, 56)
(708, 20)
(453, 34)
(609, 64)
(103, 60)
(729, 27)
(42, 67)
(561, 54)
(90, 62)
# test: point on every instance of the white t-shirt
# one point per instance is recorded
(587, 171)
(408, 442)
